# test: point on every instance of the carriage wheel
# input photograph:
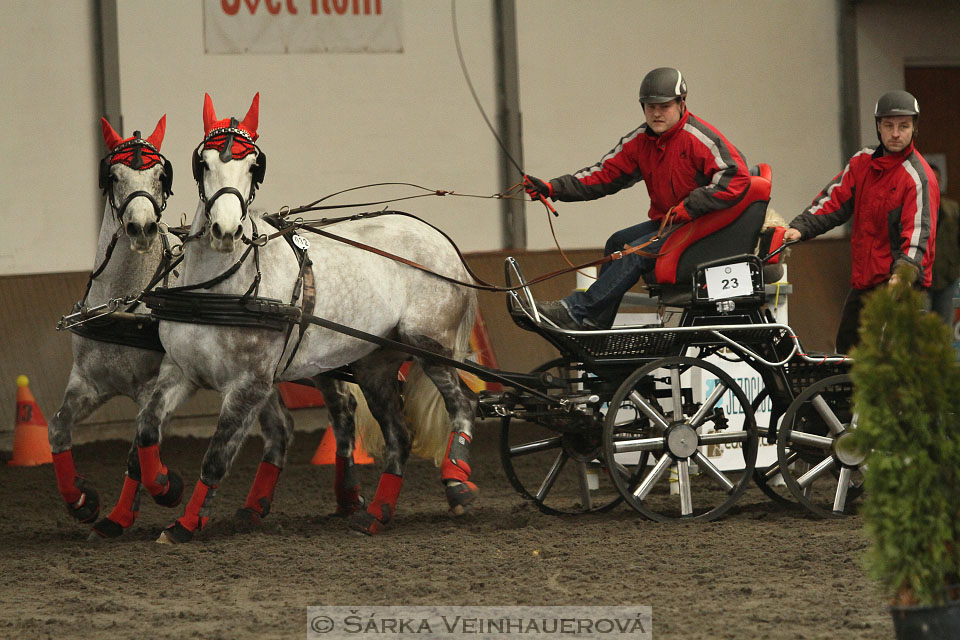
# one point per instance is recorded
(560, 472)
(680, 441)
(822, 470)
(768, 477)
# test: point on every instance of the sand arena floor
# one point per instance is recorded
(763, 571)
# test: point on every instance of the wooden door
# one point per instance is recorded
(937, 89)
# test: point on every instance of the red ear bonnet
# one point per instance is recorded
(240, 146)
(249, 124)
(252, 119)
(156, 138)
(209, 115)
(136, 156)
(111, 137)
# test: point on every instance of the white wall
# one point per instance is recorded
(763, 72)
(49, 107)
(329, 121)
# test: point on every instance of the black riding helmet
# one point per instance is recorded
(663, 84)
(897, 103)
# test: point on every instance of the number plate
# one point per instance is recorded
(302, 243)
(729, 281)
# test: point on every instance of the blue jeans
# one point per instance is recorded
(598, 305)
(941, 302)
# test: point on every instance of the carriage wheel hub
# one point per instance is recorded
(846, 452)
(582, 447)
(682, 441)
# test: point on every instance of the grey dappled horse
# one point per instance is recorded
(114, 357)
(353, 287)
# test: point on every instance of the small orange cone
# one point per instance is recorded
(30, 443)
(327, 450)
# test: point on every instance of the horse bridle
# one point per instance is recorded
(106, 179)
(257, 171)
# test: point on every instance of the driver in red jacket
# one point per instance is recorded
(892, 196)
(688, 166)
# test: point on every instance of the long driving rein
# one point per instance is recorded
(666, 228)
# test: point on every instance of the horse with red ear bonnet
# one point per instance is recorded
(113, 358)
(230, 268)
(116, 357)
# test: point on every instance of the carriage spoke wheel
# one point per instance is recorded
(820, 467)
(560, 472)
(685, 481)
(768, 477)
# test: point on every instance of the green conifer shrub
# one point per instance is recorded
(906, 387)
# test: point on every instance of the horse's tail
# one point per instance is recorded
(367, 427)
(423, 408)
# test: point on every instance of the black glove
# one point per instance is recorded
(536, 188)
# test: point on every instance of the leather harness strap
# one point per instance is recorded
(305, 285)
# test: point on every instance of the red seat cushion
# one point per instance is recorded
(719, 234)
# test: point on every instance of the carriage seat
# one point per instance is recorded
(721, 234)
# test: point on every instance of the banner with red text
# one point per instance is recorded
(302, 26)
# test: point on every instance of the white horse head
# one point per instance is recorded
(228, 167)
(136, 180)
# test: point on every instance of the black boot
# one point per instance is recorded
(558, 314)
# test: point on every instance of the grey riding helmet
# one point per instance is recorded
(663, 84)
(896, 103)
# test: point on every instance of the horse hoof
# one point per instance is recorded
(105, 529)
(460, 497)
(250, 517)
(346, 510)
(366, 523)
(87, 508)
(175, 534)
(174, 493)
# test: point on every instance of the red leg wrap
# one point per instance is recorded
(66, 476)
(261, 493)
(345, 487)
(455, 465)
(127, 507)
(195, 515)
(153, 473)
(384, 504)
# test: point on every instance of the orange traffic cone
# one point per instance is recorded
(327, 450)
(30, 443)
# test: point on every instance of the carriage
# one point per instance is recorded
(647, 415)
(641, 413)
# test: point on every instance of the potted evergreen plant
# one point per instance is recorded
(906, 391)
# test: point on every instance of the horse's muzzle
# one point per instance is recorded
(222, 240)
(141, 236)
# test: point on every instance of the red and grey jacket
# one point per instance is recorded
(893, 199)
(690, 167)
